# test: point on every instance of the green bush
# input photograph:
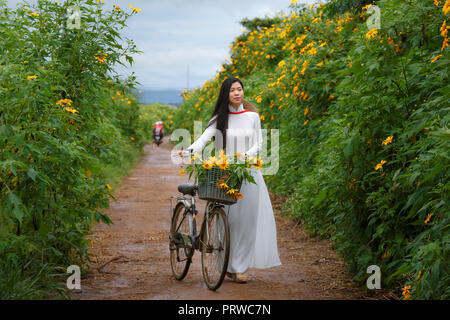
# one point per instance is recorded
(69, 130)
(364, 139)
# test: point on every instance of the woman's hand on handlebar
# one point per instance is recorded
(183, 153)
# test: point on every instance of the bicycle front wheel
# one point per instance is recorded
(215, 248)
(180, 245)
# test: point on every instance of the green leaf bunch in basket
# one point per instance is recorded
(231, 173)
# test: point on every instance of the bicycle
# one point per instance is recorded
(213, 241)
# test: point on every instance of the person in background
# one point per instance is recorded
(158, 129)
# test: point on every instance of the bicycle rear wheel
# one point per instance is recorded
(180, 245)
(215, 248)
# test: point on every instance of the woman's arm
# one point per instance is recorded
(257, 134)
(206, 136)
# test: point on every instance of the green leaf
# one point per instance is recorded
(102, 217)
(322, 195)
(433, 173)
(443, 133)
(32, 174)
(405, 268)
(13, 204)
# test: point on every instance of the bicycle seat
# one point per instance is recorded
(188, 188)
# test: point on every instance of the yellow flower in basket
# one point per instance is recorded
(213, 160)
(255, 162)
(238, 195)
(207, 165)
(230, 177)
(223, 186)
(232, 191)
(222, 163)
(259, 163)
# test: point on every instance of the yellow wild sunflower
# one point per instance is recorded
(223, 186)
(222, 164)
(232, 191)
(207, 165)
(387, 140)
(238, 195)
(371, 34)
(380, 165)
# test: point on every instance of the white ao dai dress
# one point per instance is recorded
(253, 240)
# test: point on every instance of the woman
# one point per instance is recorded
(253, 241)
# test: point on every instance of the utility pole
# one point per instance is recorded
(187, 78)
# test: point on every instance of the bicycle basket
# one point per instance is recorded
(207, 189)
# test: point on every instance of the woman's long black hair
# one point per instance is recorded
(221, 109)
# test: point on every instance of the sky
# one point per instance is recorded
(177, 35)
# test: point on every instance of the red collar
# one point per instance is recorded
(239, 111)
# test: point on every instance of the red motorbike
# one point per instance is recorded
(157, 139)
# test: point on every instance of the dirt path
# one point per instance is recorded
(135, 250)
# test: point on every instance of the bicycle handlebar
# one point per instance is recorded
(191, 152)
(185, 154)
